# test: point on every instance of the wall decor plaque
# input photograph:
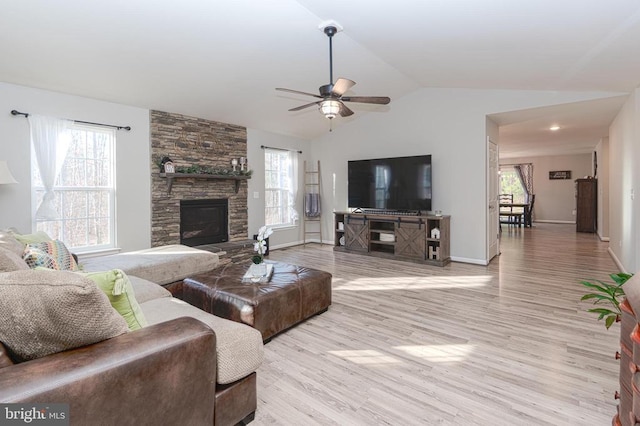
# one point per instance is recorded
(560, 174)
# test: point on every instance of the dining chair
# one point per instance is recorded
(505, 199)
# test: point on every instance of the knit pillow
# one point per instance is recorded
(44, 312)
(50, 254)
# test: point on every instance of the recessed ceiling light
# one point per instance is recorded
(554, 128)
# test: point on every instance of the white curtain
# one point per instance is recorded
(294, 186)
(50, 140)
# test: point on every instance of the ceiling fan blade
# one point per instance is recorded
(298, 92)
(381, 100)
(304, 106)
(344, 110)
(342, 85)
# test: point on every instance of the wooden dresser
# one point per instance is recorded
(586, 205)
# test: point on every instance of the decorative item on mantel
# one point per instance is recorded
(167, 165)
(202, 172)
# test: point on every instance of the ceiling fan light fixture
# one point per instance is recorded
(330, 108)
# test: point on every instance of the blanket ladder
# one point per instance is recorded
(312, 220)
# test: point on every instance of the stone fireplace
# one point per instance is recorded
(190, 141)
(203, 222)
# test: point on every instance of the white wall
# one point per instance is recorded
(449, 124)
(602, 150)
(133, 204)
(555, 199)
(624, 153)
(255, 157)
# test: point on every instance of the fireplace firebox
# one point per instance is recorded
(204, 221)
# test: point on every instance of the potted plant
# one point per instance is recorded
(610, 294)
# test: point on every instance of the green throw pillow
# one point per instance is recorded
(116, 285)
(36, 237)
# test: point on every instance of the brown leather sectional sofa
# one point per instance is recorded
(187, 367)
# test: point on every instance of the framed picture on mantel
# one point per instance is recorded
(560, 174)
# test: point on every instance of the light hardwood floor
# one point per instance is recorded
(407, 344)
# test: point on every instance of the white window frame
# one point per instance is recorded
(284, 188)
(38, 224)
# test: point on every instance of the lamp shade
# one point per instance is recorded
(5, 174)
(330, 108)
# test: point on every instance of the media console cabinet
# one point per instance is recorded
(423, 239)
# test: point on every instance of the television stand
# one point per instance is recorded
(411, 237)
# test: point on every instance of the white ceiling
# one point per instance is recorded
(221, 60)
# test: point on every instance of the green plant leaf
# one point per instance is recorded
(597, 296)
(601, 288)
(602, 311)
(620, 278)
(609, 321)
(607, 293)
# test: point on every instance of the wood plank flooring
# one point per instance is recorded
(407, 344)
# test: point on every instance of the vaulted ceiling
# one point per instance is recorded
(221, 60)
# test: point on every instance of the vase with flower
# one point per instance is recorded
(259, 268)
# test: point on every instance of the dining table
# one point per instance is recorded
(526, 216)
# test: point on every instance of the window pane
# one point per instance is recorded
(75, 232)
(84, 193)
(278, 187)
(510, 184)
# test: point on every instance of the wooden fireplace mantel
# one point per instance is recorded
(171, 176)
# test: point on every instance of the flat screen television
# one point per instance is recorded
(399, 183)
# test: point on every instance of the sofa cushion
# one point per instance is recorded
(9, 242)
(146, 290)
(238, 347)
(10, 261)
(36, 237)
(116, 285)
(43, 312)
(161, 265)
(50, 254)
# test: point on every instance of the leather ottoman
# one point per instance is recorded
(293, 294)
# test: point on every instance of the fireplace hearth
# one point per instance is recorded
(204, 221)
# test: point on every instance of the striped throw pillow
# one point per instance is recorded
(50, 254)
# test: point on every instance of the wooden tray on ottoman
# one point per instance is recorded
(293, 294)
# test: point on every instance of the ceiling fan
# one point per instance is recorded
(331, 96)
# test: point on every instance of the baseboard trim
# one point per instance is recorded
(285, 245)
(603, 239)
(616, 261)
(567, 222)
(299, 243)
(468, 260)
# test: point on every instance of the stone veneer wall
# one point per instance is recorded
(194, 141)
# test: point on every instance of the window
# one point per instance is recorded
(279, 188)
(84, 191)
(510, 183)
